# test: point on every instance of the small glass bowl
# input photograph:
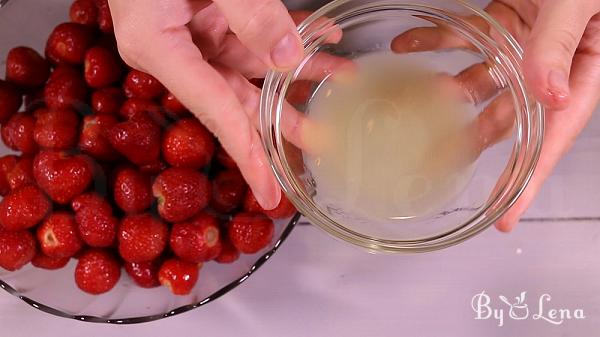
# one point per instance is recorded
(28, 23)
(454, 39)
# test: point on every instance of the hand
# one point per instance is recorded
(562, 69)
(204, 51)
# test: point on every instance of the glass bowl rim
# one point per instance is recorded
(179, 310)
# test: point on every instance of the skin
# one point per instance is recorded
(204, 51)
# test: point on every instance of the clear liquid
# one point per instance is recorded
(387, 142)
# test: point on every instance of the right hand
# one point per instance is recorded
(204, 51)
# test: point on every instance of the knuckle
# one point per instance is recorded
(263, 17)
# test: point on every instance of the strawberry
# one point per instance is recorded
(10, 101)
(61, 175)
(94, 217)
(138, 139)
(144, 274)
(58, 236)
(21, 174)
(56, 129)
(107, 101)
(187, 143)
(101, 67)
(284, 209)
(68, 42)
(134, 106)
(23, 208)
(181, 193)
(142, 238)
(133, 190)
(26, 68)
(97, 271)
(197, 240)
(257, 82)
(17, 133)
(84, 12)
(51, 263)
(93, 138)
(179, 276)
(7, 164)
(173, 106)
(299, 92)
(228, 191)
(16, 249)
(229, 253)
(104, 17)
(142, 85)
(66, 88)
(250, 232)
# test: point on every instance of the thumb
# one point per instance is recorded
(266, 28)
(550, 49)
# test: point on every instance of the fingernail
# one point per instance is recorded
(287, 52)
(558, 82)
(267, 202)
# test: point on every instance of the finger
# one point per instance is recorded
(266, 28)
(206, 93)
(562, 128)
(549, 52)
(209, 29)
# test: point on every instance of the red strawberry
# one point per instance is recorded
(144, 274)
(10, 101)
(250, 232)
(197, 240)
(51, 263)
(225, 159)
(181, 193)
(56, 129)
(134, 106)
(102, 67)
(257, 82)
(179, 276)
(173, 106)
(142, 238)
(17, 133)
(21, 174)
(96, 223)
(228, 191)
(104, 17)
(61, 175)
(26, 68)
(66, 88)
(138, 139)
(284, 209)
(58, 235)
(142, 85)
(229, 253)
(109, 41)
(188, 143)
(133, 190)
(16, 249)
(93, 137)
(97, 271)
(23, 208)
(299, 92)
(84, 12)
(107, 101)
(7, 164)
(68, 43)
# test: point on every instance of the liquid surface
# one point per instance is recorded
(390, 140)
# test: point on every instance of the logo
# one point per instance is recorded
(519, 309)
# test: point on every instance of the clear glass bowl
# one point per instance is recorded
(28, 23)
(454, 39)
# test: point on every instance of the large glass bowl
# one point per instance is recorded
(28, 23)
(468, 51)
